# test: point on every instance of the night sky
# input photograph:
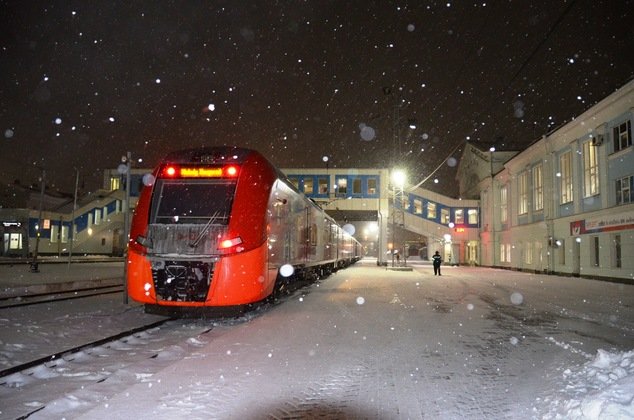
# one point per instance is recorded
(84, 82)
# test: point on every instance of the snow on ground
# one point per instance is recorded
(364, 343)
(602, 388)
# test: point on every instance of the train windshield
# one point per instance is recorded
(192, 201)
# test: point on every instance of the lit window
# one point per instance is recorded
(444, 216)
(308, 186)
(54, 233)
(372, 190)
(590, 170)
(459, 216)
(565, 181)
(431, 210)
(522, 192)
(115, 183)
(418, 206)
(503, 204)
(15, 240)
(538, 188)
(323, 185)
(342, 185)
(472, 215)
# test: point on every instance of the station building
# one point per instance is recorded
(565, 204)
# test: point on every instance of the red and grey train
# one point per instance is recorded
(222, 227)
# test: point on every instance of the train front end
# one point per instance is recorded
(198, 235)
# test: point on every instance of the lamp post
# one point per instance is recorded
(127, 161)
(492, 239)
(398, 181)
(72, 218)
(34, 263)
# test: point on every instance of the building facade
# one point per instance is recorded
(565, 205)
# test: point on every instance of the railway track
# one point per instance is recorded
(51, 360)
(34, 299)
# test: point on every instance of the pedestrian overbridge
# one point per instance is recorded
(392, 222)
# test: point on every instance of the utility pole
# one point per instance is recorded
(72, 218)
(34, 263)
(126, 225)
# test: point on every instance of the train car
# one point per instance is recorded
(223, 228)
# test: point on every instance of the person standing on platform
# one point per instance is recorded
(437, 260)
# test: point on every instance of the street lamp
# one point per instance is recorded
(399, 178)
(127, 162)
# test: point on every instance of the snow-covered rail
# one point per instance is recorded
(34, 299)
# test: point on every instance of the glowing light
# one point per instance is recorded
(228, 243)
(399, 177)
(231, 170)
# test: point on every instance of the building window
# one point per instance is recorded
(522, 192)
(431, 210)
(617, 251)
(503, 204)
(295, 182)
(472, 215)
(372, 190)
(115, 183)
(405, 202)
(308, 186)
(622, 136)
(418, 206)
(97, 216)
(528, 254)
(595, 250)
(459, 216)
(342, 186)
(356, 186)
(444, 216)
(323, 185)
(590, 170)
(624, 188)
(505, 253)
(54, 233)
(565, 177)
(65, 230)
(538, 188)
